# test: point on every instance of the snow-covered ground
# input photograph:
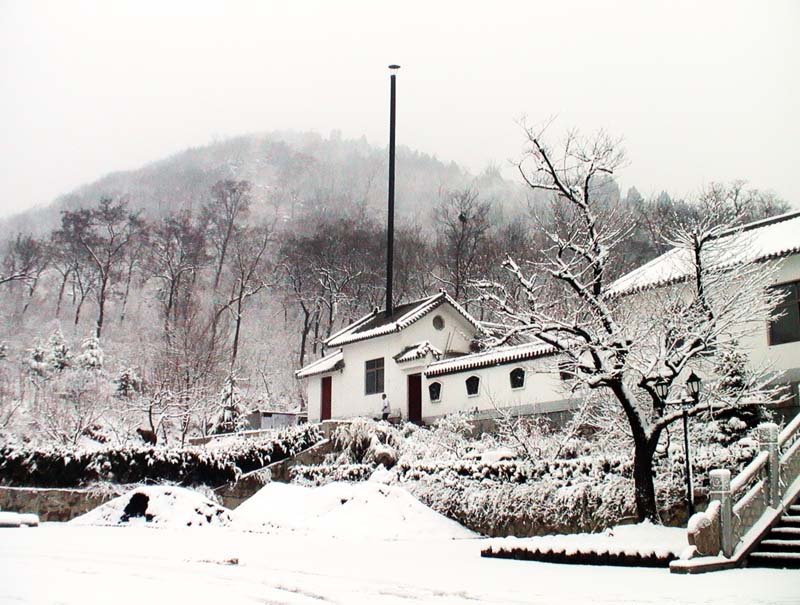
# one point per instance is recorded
(348, 544)
(61, 563)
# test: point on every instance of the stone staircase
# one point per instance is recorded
(781, 546)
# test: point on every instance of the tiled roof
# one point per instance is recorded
(377, 324)
(495, 357)
(329, 363)
(767, 239)
(416, 351)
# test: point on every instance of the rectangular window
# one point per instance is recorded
(787, 327)
(373, 376)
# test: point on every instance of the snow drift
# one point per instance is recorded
(362, 510)
(157, 505)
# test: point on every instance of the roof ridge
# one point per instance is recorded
(758, 224)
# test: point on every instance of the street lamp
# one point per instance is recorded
(693, 386)
(661, 389)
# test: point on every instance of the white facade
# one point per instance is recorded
(348, 396)
(543, 391)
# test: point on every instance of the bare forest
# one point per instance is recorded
(157, 299)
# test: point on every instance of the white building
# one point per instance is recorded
(421, 355)
(773, 240)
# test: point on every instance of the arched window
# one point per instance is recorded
(517, 378)
(435, 391)
(473, 384)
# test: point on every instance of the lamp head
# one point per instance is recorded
(661, 388)
(693, 385)
(393, 69)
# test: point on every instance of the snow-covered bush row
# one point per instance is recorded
(318, 475)
(70, 467)
(497, 508)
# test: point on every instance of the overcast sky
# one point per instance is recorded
(700, 91)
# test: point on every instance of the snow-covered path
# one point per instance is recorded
(58, 563)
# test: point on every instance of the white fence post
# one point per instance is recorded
(720, 489)
(768, 440)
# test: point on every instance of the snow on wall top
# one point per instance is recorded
(377, 324)
(762, 240)
(495, 357)
(329, 363)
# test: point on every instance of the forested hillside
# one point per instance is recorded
(180, 295)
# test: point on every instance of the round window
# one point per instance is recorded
(438, 322)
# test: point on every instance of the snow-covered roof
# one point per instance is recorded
(378, 324)
(762, 240)
(495, 357)
(416, 351)
(329, 363)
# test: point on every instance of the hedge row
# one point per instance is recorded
(74, 467)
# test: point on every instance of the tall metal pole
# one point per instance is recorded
(689, 486)
(390, 226)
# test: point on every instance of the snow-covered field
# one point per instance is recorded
(362, 544)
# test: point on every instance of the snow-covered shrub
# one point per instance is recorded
(353, 440)
(127, 382)
(59, 355)
(322, 474)
(231, 415)
(60, 466)
(92, 357)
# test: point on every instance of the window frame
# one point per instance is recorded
(771, 341)
(378, 372)
(477, 388)
(524, 378)
(430, 396)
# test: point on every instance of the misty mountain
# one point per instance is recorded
(290, 171)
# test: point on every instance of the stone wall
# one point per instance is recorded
(54, 504)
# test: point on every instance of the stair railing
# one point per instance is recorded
(736, 505)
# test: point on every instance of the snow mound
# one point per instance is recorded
(9, 519)
(160, 506)
(358, 510)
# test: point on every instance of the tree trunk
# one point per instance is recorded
(644, 486)
(61, 294)
(101, 304)
(237, 329)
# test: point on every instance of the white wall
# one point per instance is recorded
(784, 357)
(348, 398)
(543, 391)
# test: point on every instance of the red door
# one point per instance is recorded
(415, 398)
(325, 409)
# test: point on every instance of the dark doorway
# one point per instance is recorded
(325, 408)
(415, 398)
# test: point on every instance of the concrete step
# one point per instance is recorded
(781, 532)
(794, 509)
(778, 545)
(791, 520)
(784, 560)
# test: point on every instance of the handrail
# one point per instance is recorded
(749, 471)
(790, 452)
(789, 430)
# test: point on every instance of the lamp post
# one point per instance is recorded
(693, 389)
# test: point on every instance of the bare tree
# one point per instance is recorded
(462, 227)
(626, 344)
(230, 203)
(104, 233)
